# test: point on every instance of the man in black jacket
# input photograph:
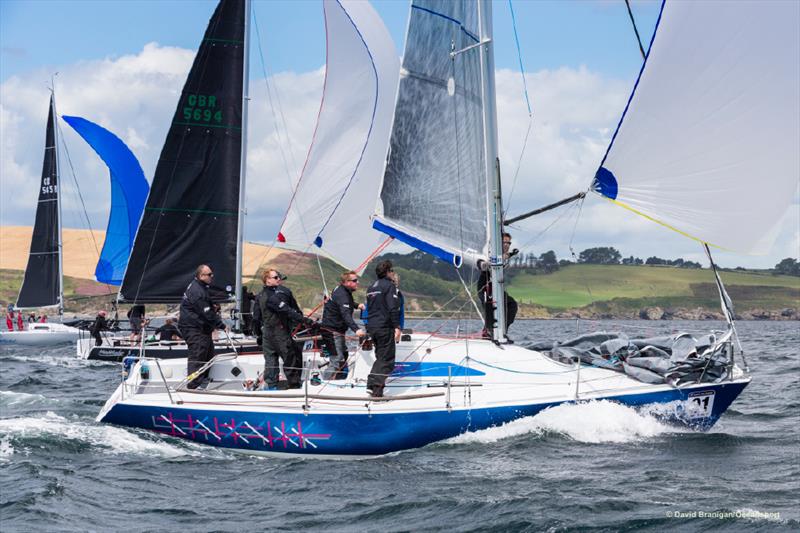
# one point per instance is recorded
(276, 314)
(100, 324)
(383, 324)
(199, 318)
(485, 292)
(337, 317)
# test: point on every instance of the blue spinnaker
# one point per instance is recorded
(129, 191)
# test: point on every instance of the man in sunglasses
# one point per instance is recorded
(337, 317)
(275, 315)
(198, 320)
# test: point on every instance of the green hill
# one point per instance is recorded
(589, 291)
(623, 290)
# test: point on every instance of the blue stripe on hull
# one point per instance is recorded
(362, 434)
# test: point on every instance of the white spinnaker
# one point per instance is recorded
(335, 195)
(710, 142)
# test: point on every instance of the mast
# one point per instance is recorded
(243, 169)
(493, 191)
(58, 210)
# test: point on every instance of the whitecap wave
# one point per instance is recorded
(590, 422)
(15, 399)
(108, 439)
(6, 450)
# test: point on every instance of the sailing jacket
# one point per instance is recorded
(276, 311)
(383, 305)
(338, 311)
(197, 310)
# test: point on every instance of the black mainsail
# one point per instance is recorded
(41, 286)
(191, 215)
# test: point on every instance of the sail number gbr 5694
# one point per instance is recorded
(202, 108)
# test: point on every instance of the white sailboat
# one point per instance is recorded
(441, 193)
(43, 284)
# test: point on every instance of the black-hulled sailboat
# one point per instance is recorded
(43, 285)
(194, 212)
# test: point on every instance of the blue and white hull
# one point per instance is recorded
(436, 392)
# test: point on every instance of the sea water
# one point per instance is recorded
(598, 465)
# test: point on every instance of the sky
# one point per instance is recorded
(122, 63)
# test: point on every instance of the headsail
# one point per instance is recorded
(191, 216)
(708, 144)
(333, 200)
(41, 286)
(128, 195)
(433, 195)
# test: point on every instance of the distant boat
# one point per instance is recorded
(42, 285)
(440, 193)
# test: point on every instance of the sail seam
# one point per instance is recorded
(199, 211)
(371, 125)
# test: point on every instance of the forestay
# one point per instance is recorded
(128, 194)
(41, 286)
(192, 211)
(333, 200)
(708, 144)
(433, 195)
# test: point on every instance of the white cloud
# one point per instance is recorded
(575, 113)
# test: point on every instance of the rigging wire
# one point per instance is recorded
(635, 30)
(527, 103)
(292, 186)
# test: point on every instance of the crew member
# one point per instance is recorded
(485, 292)
(136, 319)
(383, 325)
(100, 324)
(276, 313)
(198, 320)
(32, 318)
(20, 322)
(10, 319)
(337, 317)
(168, 332)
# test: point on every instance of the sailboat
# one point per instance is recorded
(440, 193)
(194, 211)
(43, 284)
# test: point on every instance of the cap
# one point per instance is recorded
(282, 276)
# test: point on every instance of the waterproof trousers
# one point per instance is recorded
(280, 345)
(383, 339)
(201, 351)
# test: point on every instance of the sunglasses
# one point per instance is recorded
(208, 274)
(353, 280)
(274, 277)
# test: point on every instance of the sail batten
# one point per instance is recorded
(434, 186)
(41, 285)
(191, 214)
(707, 144)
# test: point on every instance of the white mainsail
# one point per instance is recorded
(433, 195)
(709, 142)
(334, 197)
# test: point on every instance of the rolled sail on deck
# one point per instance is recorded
(708, 144)
(433, 195)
